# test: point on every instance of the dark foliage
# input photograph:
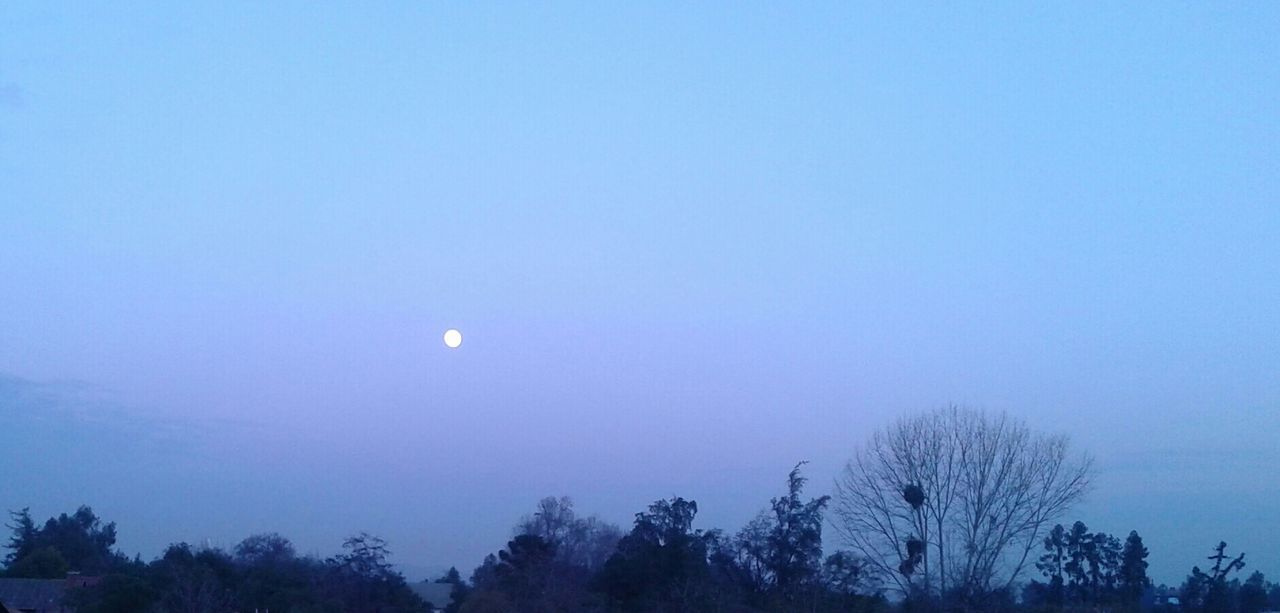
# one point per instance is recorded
(265, 573)
(1210, 592)
(80, 542)
(774, 564)
(1089, 570)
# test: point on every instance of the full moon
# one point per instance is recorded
(452, 338)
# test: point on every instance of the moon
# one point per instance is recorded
(452, 338)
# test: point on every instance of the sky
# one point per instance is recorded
(687, 246)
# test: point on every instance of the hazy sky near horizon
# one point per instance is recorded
(687, 246)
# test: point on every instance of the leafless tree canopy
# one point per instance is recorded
(586, 542)
(990, 488)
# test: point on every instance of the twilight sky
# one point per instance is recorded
(688, 247)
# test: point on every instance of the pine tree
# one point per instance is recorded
(1133, 569)
(1078, 546)
(1051, 564)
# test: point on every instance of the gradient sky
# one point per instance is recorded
(688, 247)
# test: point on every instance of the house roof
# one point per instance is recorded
(438, 594)
(37, 594)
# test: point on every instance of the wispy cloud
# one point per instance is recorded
(75, 413)
(71, 408)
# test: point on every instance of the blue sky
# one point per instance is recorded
(688, 246)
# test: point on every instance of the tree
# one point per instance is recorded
(529, 576)
(745, 560)
(485, 575)
(779, 553)
(1133, 579)
(273, 578)
(1108, 551)
(366, 557)
(1051, 565)
(264, 574)
(25, 535)
(662, 563)
(487, 601)
(775, 561)
(1209, 592)
(846, 574)
(267, 548)
(1087, 569)
(458, 592)
(582, 542)
(116, 593)
(451, 576)
(81, 539)
(1102, 555)
(43, 563)
(848, 585)
(581, 547)
(594, 542)
(553, 521)
(193, 581)
(362, 579)
(795, 542)
(1079, 543)
(954, 501)
(1253, 594)
(524, 570)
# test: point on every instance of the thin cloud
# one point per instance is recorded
(72, 409)
(89, 414)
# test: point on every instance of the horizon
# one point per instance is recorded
(171, 440)
(687, 247)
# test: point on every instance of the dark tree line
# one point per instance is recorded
(1089, 570)
(942, 511)
(262, 573)
(79, 541)
(1213, 592)
(558, 562)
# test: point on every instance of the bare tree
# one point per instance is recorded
(585, 542)
(953, 501)
(553, 521)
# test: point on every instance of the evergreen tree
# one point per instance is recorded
(1051, 565)
(81, 540)
(795, 542)
(662, 564)
(1209, 592)
(1133, 570)
(1077, 559)
(1253, 594)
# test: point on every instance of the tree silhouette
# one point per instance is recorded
(81, 540)
(1209, 592)
(1133, 570)
(662, 563)
(952, 502)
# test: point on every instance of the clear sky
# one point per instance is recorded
(687, 246)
